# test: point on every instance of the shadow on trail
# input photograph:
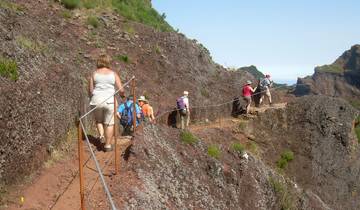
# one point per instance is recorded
(96, 142)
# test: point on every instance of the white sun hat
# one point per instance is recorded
(142, 98)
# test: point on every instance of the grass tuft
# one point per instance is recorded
(66, 14)
(71, 4)
(286, 157)
(9, 69)
(29, 44)
(214, 151)
(284, 196)
(122, 58)
(237, 147)
(93, 21)
(188, 138)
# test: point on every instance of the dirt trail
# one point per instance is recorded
(57, 187)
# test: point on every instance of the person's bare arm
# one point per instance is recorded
(252, 89)
(91, 85)
(119, 85)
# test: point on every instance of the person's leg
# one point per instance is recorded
(187, 119)
(100, 129)
(109, 134)
(182, 122)
(109, 125)
(261, 99)
(248, 102)
(268, 95)
(99, 118)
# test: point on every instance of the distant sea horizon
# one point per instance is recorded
(285, 81)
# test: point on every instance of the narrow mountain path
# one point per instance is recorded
(57, 186)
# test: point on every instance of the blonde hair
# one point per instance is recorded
(103, 61)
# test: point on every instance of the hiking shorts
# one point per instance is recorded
(267, 92)
(104, 114)
(247, 99)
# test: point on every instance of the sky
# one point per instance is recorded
(285, 38)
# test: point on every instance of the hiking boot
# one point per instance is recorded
(108, 148)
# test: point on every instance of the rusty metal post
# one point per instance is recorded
(81, 165)
(134, 105)
(117, 155)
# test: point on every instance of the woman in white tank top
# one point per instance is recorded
(102, 86)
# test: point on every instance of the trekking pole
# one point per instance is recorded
(117, 155)
(134, 105)
(81, 162)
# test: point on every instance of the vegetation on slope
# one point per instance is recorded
(330, 69)
(253, 71)
(8, 68)
(134, 10)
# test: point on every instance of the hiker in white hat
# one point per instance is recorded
(247, 92)
(184, 110)
(147, 110)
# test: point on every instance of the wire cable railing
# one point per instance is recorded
(92, 153)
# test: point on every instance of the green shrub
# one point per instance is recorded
(30, 44)
(237, 147)
(157, 49)
(357, 132)
(282, 163)
(141, 11)
(70, 4)
(286, 157)
(204, 92)
(188, 138)
(11, 6)
(283, 194)
(355, 103)
(214, 151)
(123, 58)
(66, 14)
(93, 21)
(89, 4)
(330, 69)
(9, 68)
(242, 125)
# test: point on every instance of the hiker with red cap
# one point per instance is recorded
(265, 85)
(184, 110)
(247, 92)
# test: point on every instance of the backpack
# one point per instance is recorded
(126, 115)
(181, 106)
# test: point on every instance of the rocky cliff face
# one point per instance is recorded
(165, 173)
(55, 51)
(340, 79)
(320, 132)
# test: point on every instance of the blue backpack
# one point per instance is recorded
(126, 116)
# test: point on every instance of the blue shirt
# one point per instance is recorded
(130, 106)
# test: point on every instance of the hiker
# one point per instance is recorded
(146, 109)
(172, 121)
(237, 108)
(184, 110)
(257, 94)
(102, 87)
(125, 114)
(265, 85)
(247, 92)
